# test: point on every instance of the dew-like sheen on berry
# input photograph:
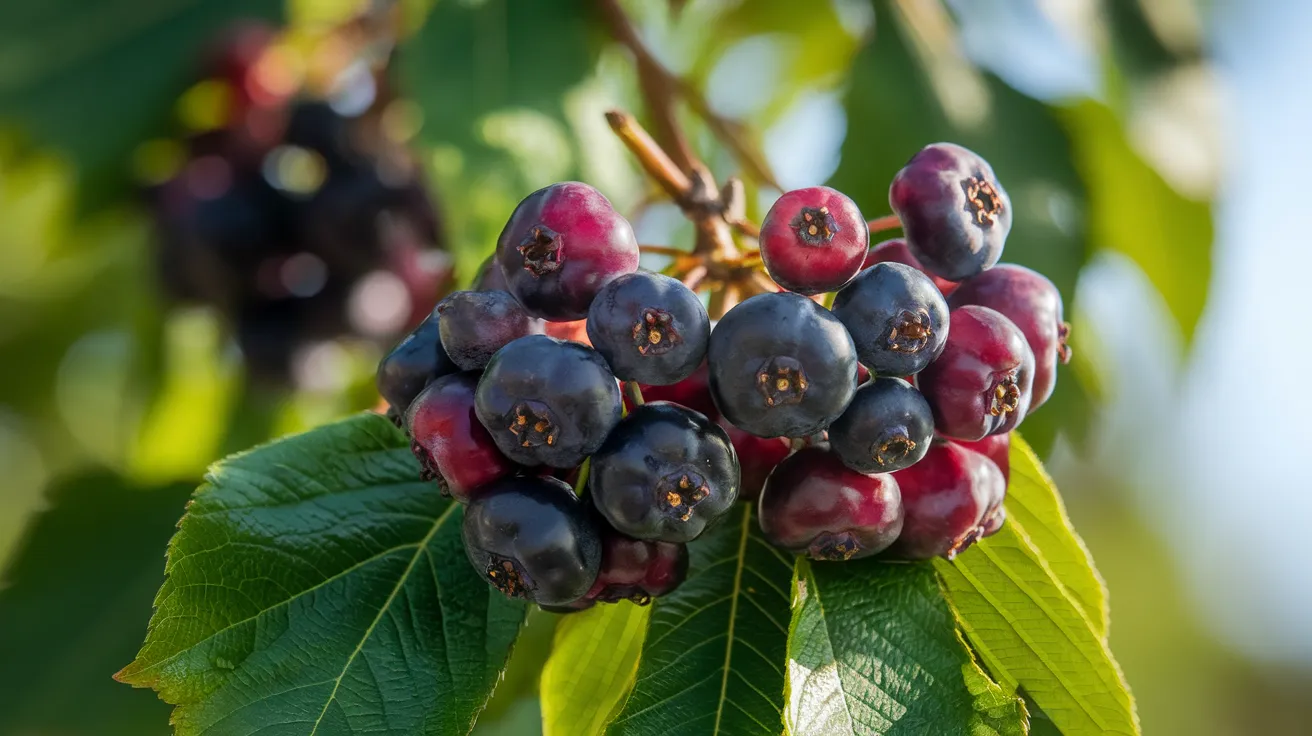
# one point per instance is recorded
(781, 366)
(547, 401)
(650, 328)
(888, 426)
(896, 316)
(532, 538)
(665, 473)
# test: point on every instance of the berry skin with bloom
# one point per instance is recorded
(813, 240)
(812, 504)
(650, 328)
(532, 538)
(415, 361)
(547, 401)
(954, 213)
(981, 383)
(887, 427)
(450, 443)
(476, 324)
(781, 366)
(896, 316)
(664, 474)
(561, 245)
(945, 498)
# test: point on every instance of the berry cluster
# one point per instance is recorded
(879, 425)
(296, 217)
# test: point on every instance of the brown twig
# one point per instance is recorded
(695, 276)
(662, 250)
(887, 222)
(651, 156)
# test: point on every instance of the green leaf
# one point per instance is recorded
(873, 649)
(1134, 211)
(64, 63)
(713, 659)
(71, 605)
(592, 667)
(1034, 609)
(316, 581)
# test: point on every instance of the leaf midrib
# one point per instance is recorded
(735, 594)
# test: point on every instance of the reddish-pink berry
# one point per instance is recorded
(451, 444)
(896, 251)
(638, 570)
(813, 240)
(945, 498)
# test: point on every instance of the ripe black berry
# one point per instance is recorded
(981, 383)
(638, 570)
(664, 473)
(813, 240)
(476, 324)
(812, 504)
(413, 363)
(954, 212)
(547, 401)
(896, 316)
(650, 328)
(781, 366)
(451, 445)
(896, 251)
(887, 427)
(561, 245)
(531, 538)
(945, 497)
(1032, 303)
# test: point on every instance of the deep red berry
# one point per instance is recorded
(888, 426)
(561, 245)
(781, 366)
(812, 504)
(638, 570)
(757, 456)
(896, 251)
(1032, 303)
(813, 240)
(476, 324)
(531, 537)
(451, 444)
(896, 316)
(664, 473)
(945, 497)
(693, 392)
(413, 364)
(649, 327)
(981, 383)
(996, 447)
(954, 212)
(547, 401)
(574, 331)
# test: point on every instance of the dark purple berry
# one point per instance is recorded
(896, 316)
(638, 570)
(547, 401)
(896, 251)
(781, 366)
(981, 383)
(814, 505)
(451, 445)
(561, 245)
(813, 240)
(954, 212)
(1032, 303)
(888, 426)
(413, 364)
(489, 276)
(476, 324)
(531, 538)
(945, 497)
(664, 473)
(650, 328)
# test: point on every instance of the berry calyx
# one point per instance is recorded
(887, 427)
(650, 328)
(561, 245)
(812, 504)
(896, 316)
(954, 213)
(547, 401)
(664, 473)
(531, 538)
(450, 443)
(813, 240)
(981, 383)
(945, 497)
(476, 324)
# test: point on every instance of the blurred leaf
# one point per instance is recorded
(1033, 608)
(715, 648)
(317, 579)
(94, 78)
(873, 649)
(520, 679)
(71, 606)
(894, 109)
(592, 667)
(1134, 211)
